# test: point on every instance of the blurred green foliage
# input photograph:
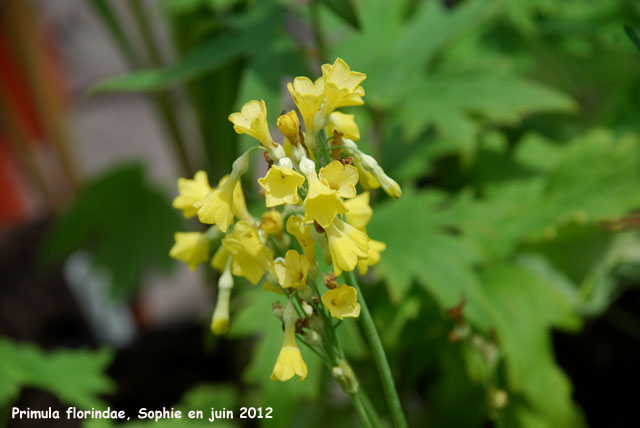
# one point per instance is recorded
(513, 128)
(76, 377)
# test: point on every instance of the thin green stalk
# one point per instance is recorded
(379, 356)
(162, 100)
(358, 404)
(321, 45)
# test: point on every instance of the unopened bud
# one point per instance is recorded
(289, 125)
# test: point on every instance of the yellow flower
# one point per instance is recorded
(289, 362)
(375, 248)
(367, 180)
(272, 223)
(250, 257)
(220, 319)
(289, 125)
(343, 123)
(359, 211)
(281, 186)
(252, 120)
(239, 205)
(342, 86)
(347, 245)
(322, 203)
(308, 97)
(341, 178)
(293, 272)
(220, 259)
(342, 302)
(190, 192)
(302, 233)
(217, 207)
(191, 248)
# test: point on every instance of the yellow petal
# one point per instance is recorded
(347, 245)
(251, 258)
(296, 227)
(375, 248)
(308, 97)
(342, 302)
(190, 192)
(341, 178)
(342, 86)
(272, 223)
(322, 204)
(281, 186)
(359, 211)
(343, 123)
(191, 248)
(252, 120)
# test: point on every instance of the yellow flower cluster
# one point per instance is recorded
(312, 200)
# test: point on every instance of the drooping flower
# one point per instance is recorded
(322, 203)
(359, 211)
(251, 258)
(342, 302)
(289, 362)
(341, 178)
(367, 180)
(341, 86)
(375, 248)
(347, 245)
(308, 97)
(252, 120)
(217, 207)
(343, 123)
(281, 186)
(191, 248)
(190, 192)
(293, 272)
(220, 319)
(272, 223)
(295, 226)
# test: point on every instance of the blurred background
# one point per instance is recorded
(507, 296)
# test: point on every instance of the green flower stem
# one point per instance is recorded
(379, 356)
(358, 404)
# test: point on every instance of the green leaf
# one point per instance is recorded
(633, 35)
(247, 36)
(126, 222)
(524, 308)
(345, 9)
(75, 377)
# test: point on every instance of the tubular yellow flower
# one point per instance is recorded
(293, 272)
(375, 248)
(217, 207)
(367, 180)
(252, 120)
(343, 123)
(308, 97)
(347, 245)
(220, 259)
(191, 248)
(289, 362)
(239, 205)
(272, 223)
(289, 125)
(220, 319)
(250, 257)
(359, 211)
(296, 227)
(322, 203)
(342, 302)
(190, 192)
(342, 86)
(281, 186)
(341, 178)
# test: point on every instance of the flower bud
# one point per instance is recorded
(220, 320)
(289, 125)
(277, 310)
